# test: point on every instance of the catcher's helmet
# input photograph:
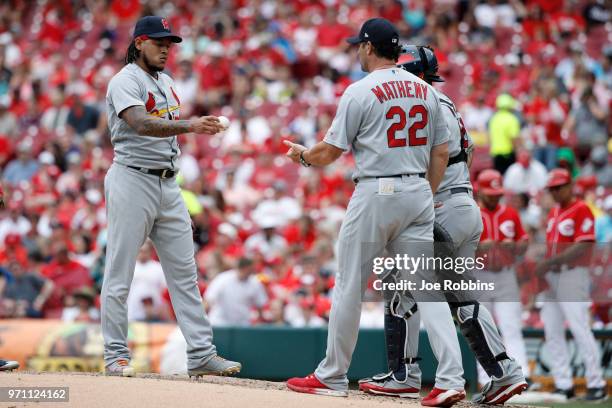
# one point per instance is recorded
(490, 182)
(558, 177)
(418, 59)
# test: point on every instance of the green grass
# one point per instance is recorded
(577, 404)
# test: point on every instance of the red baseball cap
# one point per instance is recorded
(558, 177)
(307, 303)
(12, 239)
(586, 182)
(490, 182)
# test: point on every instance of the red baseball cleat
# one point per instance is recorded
(393, 389)
(311, 385)
(497, 395)
(442, 398)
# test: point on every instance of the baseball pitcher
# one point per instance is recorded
(143, 200)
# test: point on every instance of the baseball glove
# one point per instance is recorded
(443, 242)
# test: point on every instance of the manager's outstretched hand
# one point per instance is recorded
(294, 150)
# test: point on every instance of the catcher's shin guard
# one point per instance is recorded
(479, 329)
(401, 354)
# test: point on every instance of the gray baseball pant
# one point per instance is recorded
(460, 216)
(401, 223)
(139, 206)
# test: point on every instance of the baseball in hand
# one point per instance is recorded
(224, 121)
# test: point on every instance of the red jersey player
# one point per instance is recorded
(569, 234)
(502, 239)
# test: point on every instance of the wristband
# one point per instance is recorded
(303, 161)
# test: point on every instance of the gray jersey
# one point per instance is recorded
(133, 86)
(458, 174)
(391, 119)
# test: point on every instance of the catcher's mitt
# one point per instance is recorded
(443, 242)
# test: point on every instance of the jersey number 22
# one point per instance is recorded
(413, 139)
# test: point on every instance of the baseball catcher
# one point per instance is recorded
(457, 233)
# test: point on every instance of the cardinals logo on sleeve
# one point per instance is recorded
(150, 105)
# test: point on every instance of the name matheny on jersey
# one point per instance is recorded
(400, 89)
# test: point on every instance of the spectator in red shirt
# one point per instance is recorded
(301, 235)
(89, 217)
(6, 148)
(549, 6)
(330, 35)
(515, 76)
(43, 182)
(67, 275)
(392, 10)
(566, 22)
(222, 254)
(13, 247)
(215, 78)
(549, 112)
(535, 24)
(125, 9)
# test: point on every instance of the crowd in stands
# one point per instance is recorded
(532, 79)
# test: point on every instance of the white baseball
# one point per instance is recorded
(225, 122)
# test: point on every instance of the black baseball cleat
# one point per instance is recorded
(533, 385)
(569, 393)
(8, 365)
(596, 394)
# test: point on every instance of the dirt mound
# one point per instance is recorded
(150, 391)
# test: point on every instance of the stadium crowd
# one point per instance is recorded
(532, 78)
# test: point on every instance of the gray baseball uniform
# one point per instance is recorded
(391, 121)
(460, 216)
(456, 175)
(142, 205)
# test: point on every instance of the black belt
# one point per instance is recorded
(421, 175)
(161, 173)
(458, 190)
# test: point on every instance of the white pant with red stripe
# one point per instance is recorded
(563, 303)
(507, 315)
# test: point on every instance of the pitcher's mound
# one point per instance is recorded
(152, 391)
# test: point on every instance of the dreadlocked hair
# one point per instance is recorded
(132, 53)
